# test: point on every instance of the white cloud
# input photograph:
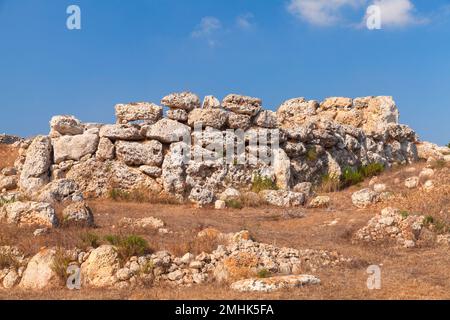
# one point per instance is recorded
(207, 27)
(245, 21)
(397, 13)
(394, 13)
(321, 12)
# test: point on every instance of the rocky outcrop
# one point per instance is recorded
(216, 146)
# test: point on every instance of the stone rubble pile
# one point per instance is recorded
(146, 151)
(392, 225)
(237, 259)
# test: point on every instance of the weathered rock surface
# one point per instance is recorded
(29, 213)
(364, 198)
(212, 117)
(274, 283)
(242, 104)
(210, 102)
(167, 131)
(66, 125)
(282, 198)
(35, 170)
(143, 111)
(106, 150)
(140, 153)
(39, 273)
(78, 213)
(100, 268)
(177, 115)
(60, 190)
(121, 132)
(185, 100)
(74, 147)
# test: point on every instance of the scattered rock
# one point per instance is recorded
(426, 173)
(274, 283)
(78, 213)
(147, 222)
(201, 196)
(282, 198)
(220, 205)
(364, 198)
(320, 202)
(379, 187)
(412, 182)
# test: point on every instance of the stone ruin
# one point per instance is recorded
(146, 148)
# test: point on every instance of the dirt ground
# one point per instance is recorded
(418, 273)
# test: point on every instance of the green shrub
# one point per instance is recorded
(263, 273)
(311, 154)
(90, 240)
(4, 201)
(404, 214)
(128, 246)
(428, 220)
(448, 145)
(263, 183)
(235, 204)
(351, 177)
(118, 194)
(371, 170)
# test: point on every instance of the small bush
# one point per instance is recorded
(263, 183)
(448, 145)
(4, 201)
(351, 177)
(371, 170)
(404, 214)
(428, 220)
(311, 154)
(263, 273)
(90, 240)
(128, 246)
(119, 195)
(60, 264)
(235, 204)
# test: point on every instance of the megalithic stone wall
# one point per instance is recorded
(196, 150)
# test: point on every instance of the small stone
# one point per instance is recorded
(40, 232)
(320, 202)
(175, 275)
(412, 182)
(379, 187)
(220, 205)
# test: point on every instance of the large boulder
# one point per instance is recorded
(242, 104)
(144, 111)
(121, 132)
(296, 111)
(167, 131)
(66, 125)
(184, 100)
(29, 213)
(100, 268)
(215, 118)
(40, 273)
(201, 196)
(74, 147)
(35, 171)
(140, 153)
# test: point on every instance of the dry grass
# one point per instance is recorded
(8, 155)
(420, 273)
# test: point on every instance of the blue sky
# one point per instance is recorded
(141, 50)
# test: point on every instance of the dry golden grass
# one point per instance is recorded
(8, 155)
(420, 273)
